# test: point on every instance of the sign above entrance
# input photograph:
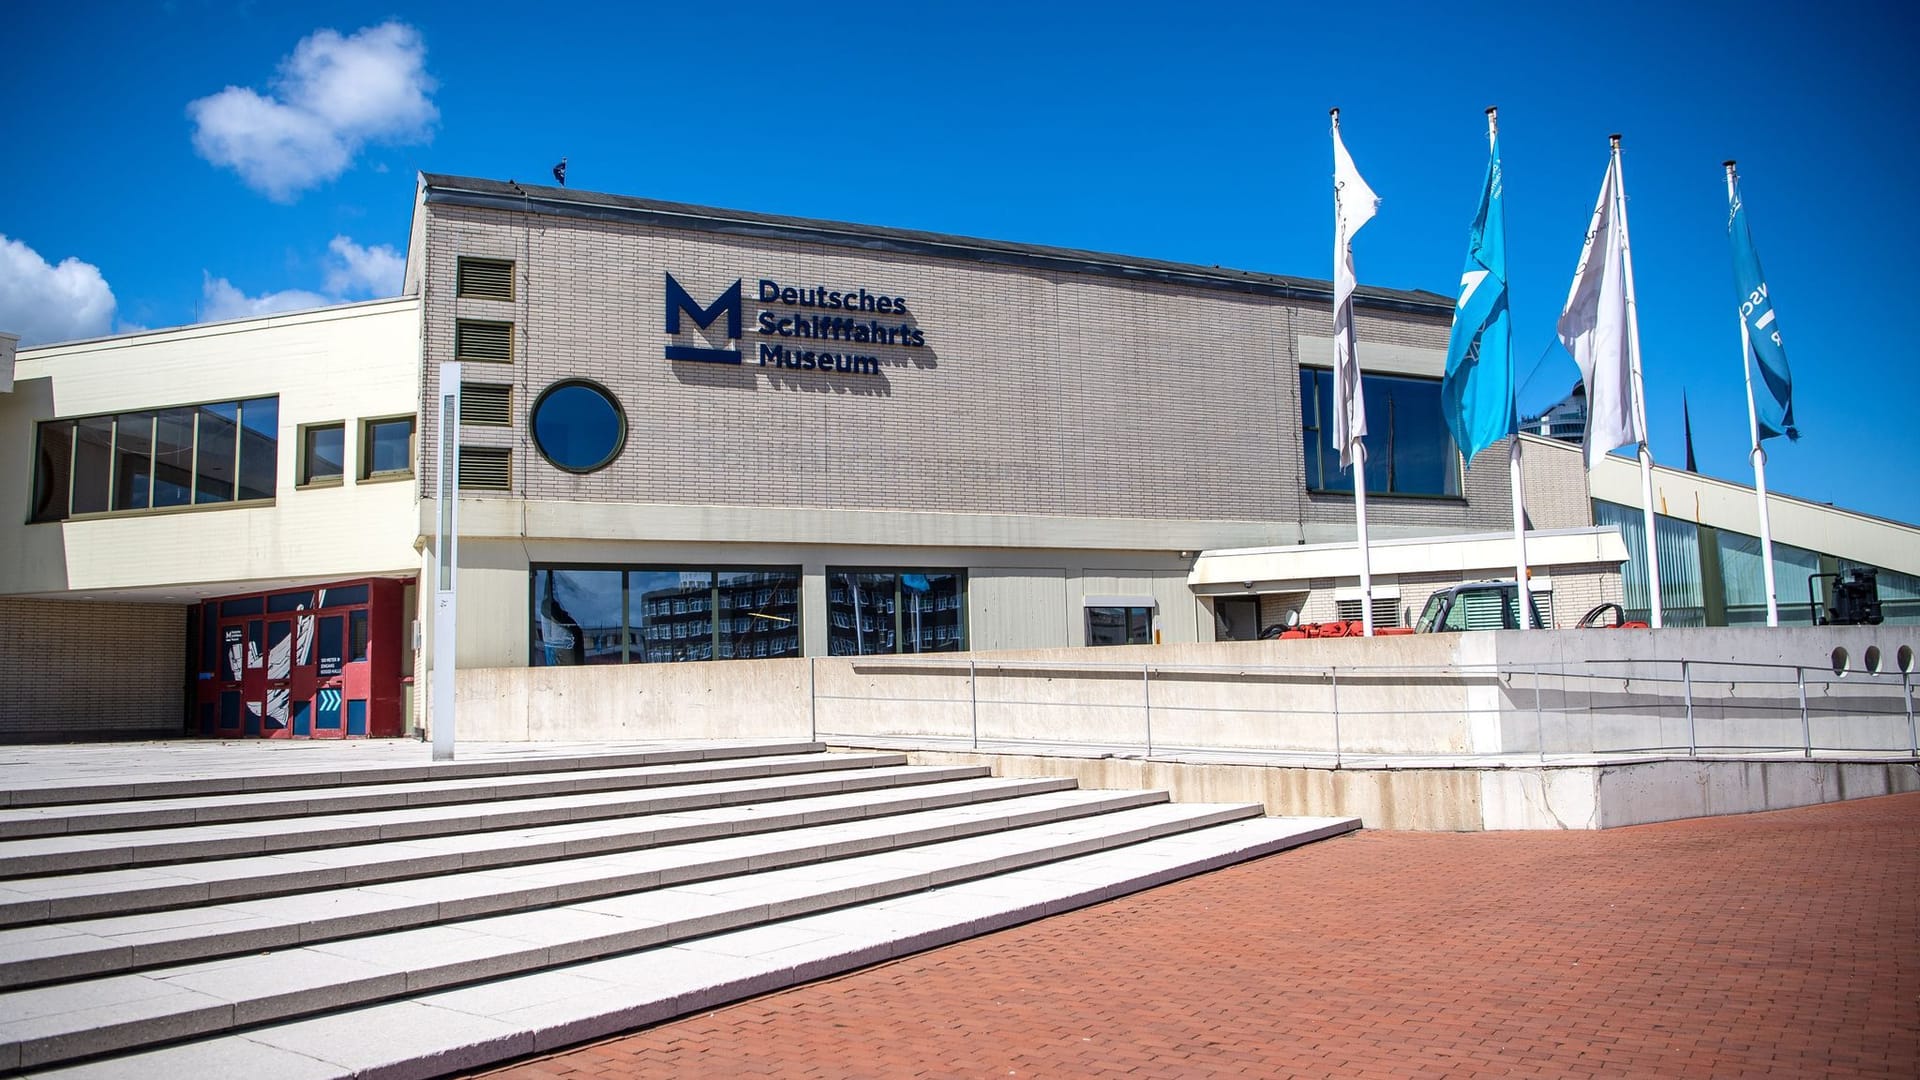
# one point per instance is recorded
(791, 318)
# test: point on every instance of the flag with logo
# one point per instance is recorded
(1593, 327)
(1477, 393)
(1353, 206)
(1773, 408)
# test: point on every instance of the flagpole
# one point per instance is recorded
(1639, 391)
(1356, 447)
(1522, 594)
(1759, 453)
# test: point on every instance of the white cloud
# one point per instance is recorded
(220, 300)
(44, 303)
(331, 97)
(369, 272)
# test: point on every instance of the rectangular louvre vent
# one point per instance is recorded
(486, 468)
(485, 342)
(489, 404)
(1386, 611)
(484, 279)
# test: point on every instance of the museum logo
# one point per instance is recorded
(806, 328)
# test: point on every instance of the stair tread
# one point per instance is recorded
(44, 1024)
(470, 1026)
(103, 892)
(56, 853)
(20, 822)
(87, 947)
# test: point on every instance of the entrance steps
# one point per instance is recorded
(415, 925)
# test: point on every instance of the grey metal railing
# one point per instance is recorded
(1342, 712)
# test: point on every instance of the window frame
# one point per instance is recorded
(619, 413)
(633, 619)
(1313, 463)
(365, 472)
(963, 628)
(303, 463)
(60, 504)
(513, 350)
(1126, 620)
(459, 265)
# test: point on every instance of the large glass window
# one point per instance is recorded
(1119, 626)
(213, 479)
(153, 459)
(259, 447)
(611, 615)
(1409, 450)
(873, 612)
(1682, 602)
(1743, 575)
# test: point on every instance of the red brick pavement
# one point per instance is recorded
(1784, 944)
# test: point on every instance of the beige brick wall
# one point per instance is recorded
(1038, 392)
(75, 669)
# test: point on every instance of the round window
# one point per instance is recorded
(578, 426)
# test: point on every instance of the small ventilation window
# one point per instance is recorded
(1386, 611)
(486, 468)
(483, 342)
(484, 279)
(486, 404)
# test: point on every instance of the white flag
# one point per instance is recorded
(1594, 329)
(1353, 206)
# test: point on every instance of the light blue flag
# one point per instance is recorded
(1477, 394)
(1773, 391)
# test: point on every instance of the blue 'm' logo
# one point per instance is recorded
(678, 301)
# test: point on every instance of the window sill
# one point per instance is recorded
(160, 511)
(1407, 496)
(323, 482)
(387, 477)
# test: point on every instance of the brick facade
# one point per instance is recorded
(84, 669)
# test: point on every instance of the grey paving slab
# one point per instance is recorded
(401, 1042)
(218, 1059)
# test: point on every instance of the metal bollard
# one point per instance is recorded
(1146, 702)
(1686, 685)
(1333, 675)
(1806, 729)
(973, 700)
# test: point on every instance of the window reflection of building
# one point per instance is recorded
(1409, 450)
(665, 615)
(873, 612)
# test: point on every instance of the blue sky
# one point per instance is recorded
(142, 191)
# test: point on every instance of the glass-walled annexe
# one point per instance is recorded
(1715, 577)
(670, 614)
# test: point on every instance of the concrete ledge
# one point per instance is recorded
(1469, 796)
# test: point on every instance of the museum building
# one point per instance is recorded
(699, 435)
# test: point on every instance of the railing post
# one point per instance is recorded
(1906, 690)
(1686, 684)
(813, 700)
(973, 700)
(1539, 725)
(1806, 728)
(1146, 702)
(1333, 675)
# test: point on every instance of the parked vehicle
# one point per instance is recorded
(1477, 605)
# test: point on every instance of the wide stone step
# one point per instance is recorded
(62, 854)
(289, 772)
(71, 818)
(151, 888)
(46, 954)
(439, 1032)
(44, 1025)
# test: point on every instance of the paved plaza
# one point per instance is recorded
(1777, 944)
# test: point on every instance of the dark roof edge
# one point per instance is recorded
(563, 202)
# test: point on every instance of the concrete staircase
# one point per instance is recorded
(415, 921)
